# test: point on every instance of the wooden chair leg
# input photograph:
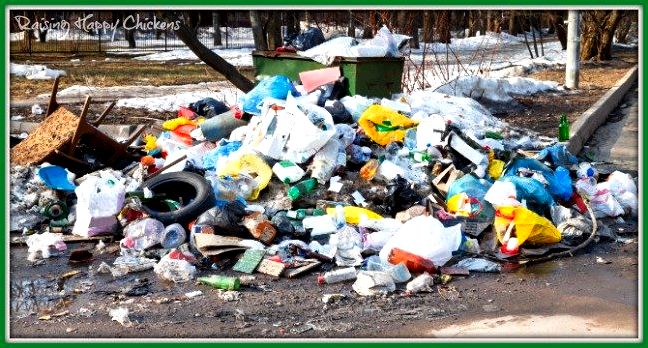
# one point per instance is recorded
(53, 105)
(104, 114)
(77, 132)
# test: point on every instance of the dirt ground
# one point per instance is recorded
(541, 112)
(293, 308)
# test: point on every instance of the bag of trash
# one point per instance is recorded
(604, 202)
(426, 237)
(338, 112)
(400, 196)
(250, 165)
(558, 155)
(225, 219)
(208, 107)
(528, 227)
(277, 87)
(99, 200)
(384, 125)
(312, 37)
(558, 186)
(624, 190)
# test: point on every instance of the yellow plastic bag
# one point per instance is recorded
(529, 227)
(495, 168)
(150, 142)
(352, 214)
(177, 122)
(384, 125)
(251, 165)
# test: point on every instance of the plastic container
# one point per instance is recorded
(337, 276)
(300, 214)
(299, 190)
(414, 263)
(173, 236)
(142, 234)
(221, 282)
(325, 161)
(288, 172)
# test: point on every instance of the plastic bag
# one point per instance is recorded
(218, 156)
(624, 190)
(475, 189)
(348, 244)
(225, 219)
(400, 196)
(558, 185)
(558, 155)
(604, 202)
(208, 107)
(251, 165)
(529, 227)
(426, 237)
(531, 191)
(369, 283)
(312, 37)
(277, 87)
(172, 124)
(561, 186)
(41, 243)
(356, 105)
(175, 270)
(99, 197)
(429, 132)
(384, 125)
(382, 45)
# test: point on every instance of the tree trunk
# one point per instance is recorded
(443, 26)
(597, 32)
(624, 28)
(257, 31)
(373, 23)
(213, 60)
(274, 30)
(292, 25)
(351, 26)
(558, 22)
(514, 23)
(428, 26)
(414, 29)
(216, 25)
(470, 18)
(130, 37)
(489, 21)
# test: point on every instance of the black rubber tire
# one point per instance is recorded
(180, 186)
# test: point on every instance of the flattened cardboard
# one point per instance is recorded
(270, 267)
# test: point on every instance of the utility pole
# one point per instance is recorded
(573, 50)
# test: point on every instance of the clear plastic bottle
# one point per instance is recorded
(142, 234)
(325, 161)
(340, 220)
(339, 275)
(173, 236)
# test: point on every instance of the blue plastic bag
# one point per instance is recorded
(533, 192)
(558, 154)
(474, 188)
(276, 87)
(559, 186)
(224, 149)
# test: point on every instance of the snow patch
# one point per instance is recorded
(172, 102)
(35, 72)
(496, 89)
(234, 56)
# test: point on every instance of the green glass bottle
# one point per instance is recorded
(302, 188)
(563, 128)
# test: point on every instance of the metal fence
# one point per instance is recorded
(66, 35)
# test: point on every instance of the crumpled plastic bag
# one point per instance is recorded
(277, 87)
(558, 154)
(208, 107)
(41, 243)
(310, 38)
(384, 125)
(348, 244)
(400, 196)
(474, 189)
(532, 191)
(175, 270)
(624, 190)
(369, 283)
(251, 165)
(529, 228)
(225, 219)
(426, 237)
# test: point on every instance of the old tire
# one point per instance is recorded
(189, 188)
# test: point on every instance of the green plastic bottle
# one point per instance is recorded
(563, 128)
(300, 189)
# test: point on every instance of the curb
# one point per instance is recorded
(596, 115)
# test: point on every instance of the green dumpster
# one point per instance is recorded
(368, 76)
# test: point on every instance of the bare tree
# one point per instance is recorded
(597, 31)
(428, 26)
(273, 30)
(257, 31)
(443, 26)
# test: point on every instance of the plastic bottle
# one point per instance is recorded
(368, 171)
(221, 282)
(173, 236)
(339, 216)
(414, 263)
(420, 283)
(340, 275)
(142, 234)
(220, 126)
(287, 171)
(563, 128)
(300, 189)
(325, 161)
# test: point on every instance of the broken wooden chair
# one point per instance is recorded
(62, 138)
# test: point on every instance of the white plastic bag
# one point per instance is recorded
(177, 271)
(370, 283)
(41, 243)
(425, 236)
(624, 190)
(502, 194)
(99, 197)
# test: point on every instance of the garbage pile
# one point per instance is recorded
(389, 194)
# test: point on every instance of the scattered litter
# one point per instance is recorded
(120, 315)
(193, 294)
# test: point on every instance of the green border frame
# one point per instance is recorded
(531, 4)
